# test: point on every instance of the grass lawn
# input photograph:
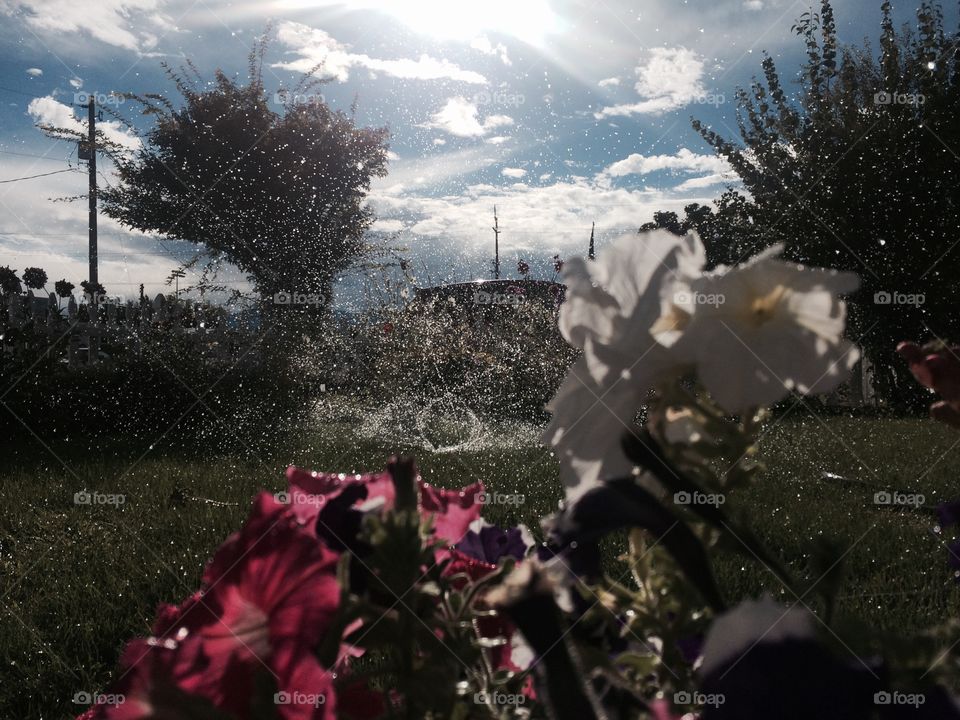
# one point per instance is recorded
(77, 581)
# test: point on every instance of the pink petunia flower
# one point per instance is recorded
(452, 510)
(308, 492)
(937, 368)
(270, 595)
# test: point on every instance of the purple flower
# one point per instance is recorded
(948, 513)
(489, 543)
(954, 550)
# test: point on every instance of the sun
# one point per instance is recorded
(527, 20)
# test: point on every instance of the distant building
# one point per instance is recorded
(502, 293)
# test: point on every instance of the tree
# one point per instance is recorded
(279, 195)
(64, 288)
(729, 234)
(34, 278)
(9, 282)
(859, 171)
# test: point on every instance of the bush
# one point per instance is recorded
(503, 361)
(172, 386)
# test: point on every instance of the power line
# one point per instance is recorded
(31, 177)
(18, 92)
(31, 155)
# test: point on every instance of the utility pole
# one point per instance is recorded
(92, 168)
(176, 275)
(496, 245)
(592, 254)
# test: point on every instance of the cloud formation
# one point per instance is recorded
(484, 45)
(48, 110)
(683, 161)
(314, 47)
(670, 78)
(109, 21)
(460, 117)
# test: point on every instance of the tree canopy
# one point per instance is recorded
(279, 194)
(858, 171)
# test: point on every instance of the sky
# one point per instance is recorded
(561, 113)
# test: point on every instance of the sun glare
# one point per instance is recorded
(527, 20)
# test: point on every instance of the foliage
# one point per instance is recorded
(281, 195)
(64, 288)
(34, 278)
(167, 378)
(495, 360)
(858, 172)
(9, 282)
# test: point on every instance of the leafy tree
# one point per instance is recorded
(859, 171)
(729, 233)
(91, 291)
(34, 278)
(9, 282)
(63, 288)
(281, 195)
(666, 220)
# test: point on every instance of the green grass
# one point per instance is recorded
(78, 581)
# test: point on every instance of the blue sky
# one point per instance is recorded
(559, 112)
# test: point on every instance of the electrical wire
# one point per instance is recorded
(30, 155)
(31, 177)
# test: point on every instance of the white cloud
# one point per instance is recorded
(545, 177)
(706, 181)
(460, 117)
(34, 72)
(387, 226)
(109, 21)
(516, 173)
(753, 4)
(684, 161)
(314, 47)
(551, 218)
(497, 140)
(49, 111)
(52, 235)
(669, 79)
(483, 44)
(495, 121)
(609, 82)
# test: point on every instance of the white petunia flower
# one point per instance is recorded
(760, 330)
(611, 305)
